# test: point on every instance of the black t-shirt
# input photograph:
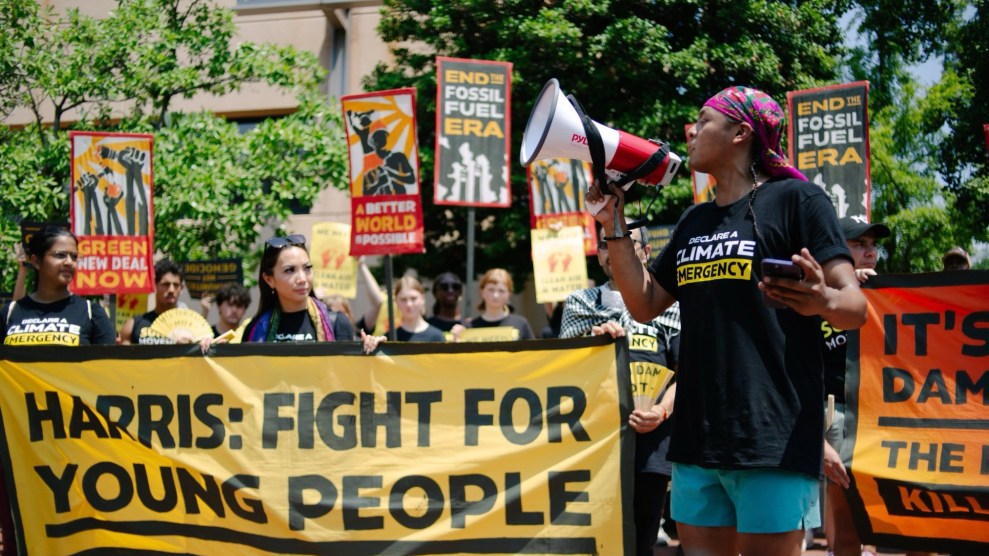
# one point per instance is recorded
(72, 321)
(430, 334)
(835, 349)
(515, 321)
(295, 327)
(750, 384)
(142, 323)
(443, 324)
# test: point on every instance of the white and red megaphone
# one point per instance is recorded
(556, 130)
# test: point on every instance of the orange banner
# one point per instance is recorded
(917, 393)
(109, 264)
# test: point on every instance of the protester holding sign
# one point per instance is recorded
(51, 314)
(496, 285)
(843, 538)
(747, 440)
(840, 530)
(289, 310)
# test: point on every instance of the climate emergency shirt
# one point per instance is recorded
(72, 321)
(750, 383)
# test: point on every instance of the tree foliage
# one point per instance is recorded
(215, 188)
(928, 153)
(645, 66)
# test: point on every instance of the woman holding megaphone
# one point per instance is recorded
(747, 437)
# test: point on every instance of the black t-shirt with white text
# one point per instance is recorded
(295, 327)
(72, 321)
(750, 384)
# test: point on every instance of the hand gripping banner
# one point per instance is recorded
(318, 449)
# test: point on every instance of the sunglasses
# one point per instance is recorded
(450, 286)
(278, 242)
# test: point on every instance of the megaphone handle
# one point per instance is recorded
(596, 147)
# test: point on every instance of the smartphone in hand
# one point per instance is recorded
(779, 268)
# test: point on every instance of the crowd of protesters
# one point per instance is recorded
(746, 449)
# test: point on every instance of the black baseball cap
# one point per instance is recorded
(855, 230)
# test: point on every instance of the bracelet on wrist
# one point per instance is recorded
(623, 236)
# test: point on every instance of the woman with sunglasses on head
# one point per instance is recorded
(51, 314)
(746, 443)
(410, 297)
(289, 310)
(447, 289)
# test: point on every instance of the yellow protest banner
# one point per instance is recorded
(558, 263)
(318, 449)
(334, 270)
(917, 391)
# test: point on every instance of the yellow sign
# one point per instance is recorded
(130, 305)
(558, 263)
(490, 334)
(334, 270)
(318, 449)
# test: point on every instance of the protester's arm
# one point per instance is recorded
(643, 421)
(863, 274)
(643, 295)
(834, 468)
(126, 331)
(830, 290)
(370, 343)
(205, 304)
(103, 333)
(20, 286)
(375, 296)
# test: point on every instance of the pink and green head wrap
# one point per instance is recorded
(768, 121)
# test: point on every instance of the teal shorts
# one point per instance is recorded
(750, 500)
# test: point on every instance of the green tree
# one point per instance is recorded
(928, 159)
(639, 65)
(214, 188)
